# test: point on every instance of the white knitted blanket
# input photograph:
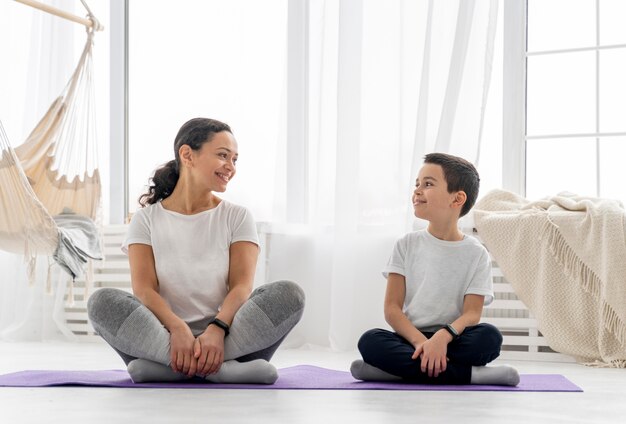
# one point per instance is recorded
(566, 259)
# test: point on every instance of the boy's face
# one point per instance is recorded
(431, 200)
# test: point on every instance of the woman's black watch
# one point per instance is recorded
(221, 324)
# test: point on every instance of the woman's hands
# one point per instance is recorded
(208, 350)
(182, 357)
(432, 353)
(202, 356)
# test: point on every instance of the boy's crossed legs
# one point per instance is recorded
(387, 356)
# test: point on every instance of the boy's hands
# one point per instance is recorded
(432, 354)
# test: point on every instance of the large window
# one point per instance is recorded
(576, 98)
(215, 59)
(309, 113)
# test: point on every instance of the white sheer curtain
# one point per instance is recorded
(388, 82)
(38, 58)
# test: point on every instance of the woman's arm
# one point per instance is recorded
(209, 348)
(243, 257)
(146, 289)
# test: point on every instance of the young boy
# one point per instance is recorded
(438, 280)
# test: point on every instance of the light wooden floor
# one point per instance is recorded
(603, 400)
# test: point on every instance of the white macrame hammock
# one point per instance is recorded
(54, 171)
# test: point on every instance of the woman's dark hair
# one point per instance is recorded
(193, 133)
(460, 175)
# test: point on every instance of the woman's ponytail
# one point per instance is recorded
(161, 184)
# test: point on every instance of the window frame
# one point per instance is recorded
(514, 97)
(118, 143)
(515, 135)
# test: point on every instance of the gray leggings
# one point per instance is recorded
(258, 328)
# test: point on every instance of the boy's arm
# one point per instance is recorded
(472, 310)
(395, 317)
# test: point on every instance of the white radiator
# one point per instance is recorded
(522, 339)
(113, 271)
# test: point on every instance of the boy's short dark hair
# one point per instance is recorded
(460, 175)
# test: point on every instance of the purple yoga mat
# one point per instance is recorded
(304, 377)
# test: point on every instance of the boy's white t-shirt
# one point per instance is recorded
(438, 275)
(192, 253)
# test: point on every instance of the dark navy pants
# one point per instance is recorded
(390, 352)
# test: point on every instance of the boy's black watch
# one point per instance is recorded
(450, 329)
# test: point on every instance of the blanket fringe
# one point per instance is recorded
(578, 271)
(617, 363)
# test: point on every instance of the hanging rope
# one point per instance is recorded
(91, 23)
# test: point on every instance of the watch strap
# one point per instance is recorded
(450, 329)
(221, 324)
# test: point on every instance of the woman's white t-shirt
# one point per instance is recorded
(438, 274)
(192, 253)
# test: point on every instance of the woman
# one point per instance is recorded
(192, 261)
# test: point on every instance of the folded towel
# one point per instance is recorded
(78, 241)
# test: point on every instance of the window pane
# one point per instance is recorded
(612, 28)
(561, 93)
(549, 170)
(612, 153)
(612, 90)
(561, 24)
(215, 59)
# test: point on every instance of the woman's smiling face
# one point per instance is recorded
(214, 165)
